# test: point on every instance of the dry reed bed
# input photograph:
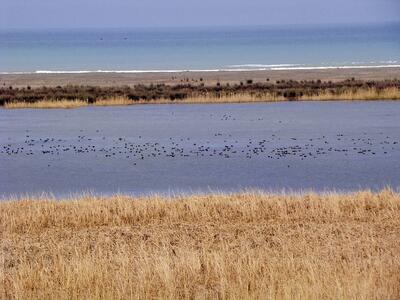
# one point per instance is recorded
(242, 97)
(114, 101)
(248, 245)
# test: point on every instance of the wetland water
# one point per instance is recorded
(200, 148)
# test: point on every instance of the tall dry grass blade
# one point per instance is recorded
(249, 245)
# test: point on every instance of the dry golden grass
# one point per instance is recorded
(241, 246)
(358, 94)
(115, 101)
(235, 98)
(46, 104)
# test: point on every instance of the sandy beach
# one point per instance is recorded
(209, 78)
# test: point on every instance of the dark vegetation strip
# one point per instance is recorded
(289, 89)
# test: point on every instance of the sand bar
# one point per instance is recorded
(113, 79)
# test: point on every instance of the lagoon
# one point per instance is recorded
(170, 149)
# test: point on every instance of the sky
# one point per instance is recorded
(37, 14)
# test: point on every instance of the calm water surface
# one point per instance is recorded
(232, 48)
(200, 148)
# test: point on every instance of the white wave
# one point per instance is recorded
(125, 71)
(264, 66)
(389, 62)
(105, 71)
(382, 62)
(16, 73)
(337, 67)
(239, 68)
(130, 71)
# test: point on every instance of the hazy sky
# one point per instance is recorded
(156, 13)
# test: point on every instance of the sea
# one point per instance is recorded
(193, 49)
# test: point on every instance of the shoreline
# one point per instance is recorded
(199, 101)
(210, 77)
(244, 245)
(199, 92)
(76, 198)
(245, 68)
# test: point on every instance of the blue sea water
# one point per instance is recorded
(227, 48)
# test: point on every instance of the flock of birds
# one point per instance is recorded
(219, 145)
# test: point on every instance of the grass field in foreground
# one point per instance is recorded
(240, 246)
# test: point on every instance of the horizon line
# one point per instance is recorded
(205, 26)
